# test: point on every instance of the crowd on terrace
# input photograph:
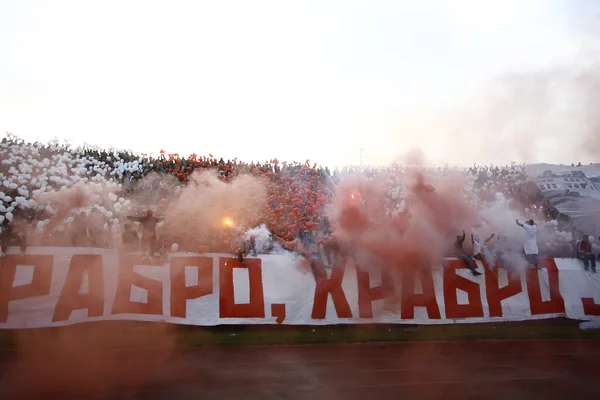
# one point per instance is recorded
(297, 194)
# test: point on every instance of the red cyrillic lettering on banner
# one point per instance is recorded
(590, 307)
(128, 278)
(368, 294)
(40, 283)
(333, 286)
(556, 304)
(495, 293)
(70, 299)
(410, 299)
(453, 282)
(227, 306)
(180, 293)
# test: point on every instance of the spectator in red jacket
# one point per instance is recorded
(584, 251)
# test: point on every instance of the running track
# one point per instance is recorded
(442, 370)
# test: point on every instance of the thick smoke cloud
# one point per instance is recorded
(419, 235)
(89, 363)
(434, 209)
(207, 206)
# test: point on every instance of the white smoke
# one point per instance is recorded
(262, 238)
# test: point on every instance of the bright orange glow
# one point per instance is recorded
(228, 221)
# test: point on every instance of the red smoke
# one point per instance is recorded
(99, 359)
(91, 360)
(210, 208)
(435, 212)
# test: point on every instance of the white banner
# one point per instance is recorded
(54, 286)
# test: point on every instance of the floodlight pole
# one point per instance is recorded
(361, 159)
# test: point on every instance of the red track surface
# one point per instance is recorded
(449, 370)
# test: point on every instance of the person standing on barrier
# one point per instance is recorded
(148, 223)
(530, 243)
(481, 251)
(584, 252)
(130, 237)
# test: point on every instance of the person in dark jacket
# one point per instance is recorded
(130, 236)
(9, 236)
(148, 223)
(584, 252)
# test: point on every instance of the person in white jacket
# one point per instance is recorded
(481, 250)
(530, 243)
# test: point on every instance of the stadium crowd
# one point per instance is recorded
(125, 185)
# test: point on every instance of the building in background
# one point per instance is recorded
(575, 195)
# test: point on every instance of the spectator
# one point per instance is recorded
(480, 249)
(462, 255)
(79, 235)
(9, 235)
(20, 235)
(239, 246)
(331, 248)
(96, 228)
(148, 222)
(252, 245)
(584, 252)
(530, 243)
(130, 236)
(297, 195)
(308, 247)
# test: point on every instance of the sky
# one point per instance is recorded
(316, 80)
